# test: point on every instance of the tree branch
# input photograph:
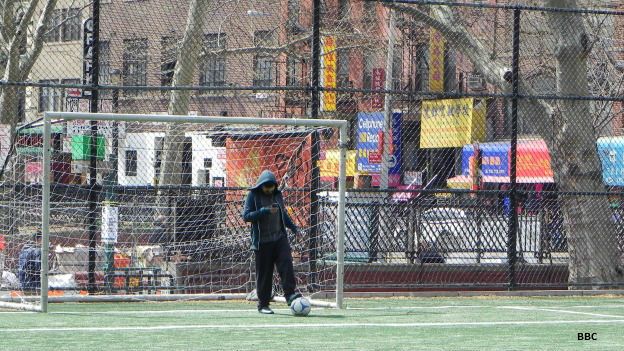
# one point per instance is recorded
(458, 37)
(37, 42)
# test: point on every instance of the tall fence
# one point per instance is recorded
(486, 138)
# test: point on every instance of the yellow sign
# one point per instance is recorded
(329, 60)
(451, 123)
(436, 61)
(329, 166)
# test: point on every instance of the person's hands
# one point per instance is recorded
(274, 209)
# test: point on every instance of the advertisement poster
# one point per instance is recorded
(329, 59)
(451, 123)
(436, 61)
(533, 161)
(369, 148)
(289, 157)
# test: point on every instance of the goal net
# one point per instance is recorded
(145, 207)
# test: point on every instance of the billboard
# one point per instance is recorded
(449, 123)
(370, 145)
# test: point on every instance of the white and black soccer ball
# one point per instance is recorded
(300, 307)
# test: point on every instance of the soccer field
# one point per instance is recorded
(488, 323)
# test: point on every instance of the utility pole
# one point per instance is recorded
(387, 142)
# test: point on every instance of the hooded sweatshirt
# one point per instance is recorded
(266, 227)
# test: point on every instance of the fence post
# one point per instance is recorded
(513, 196)
(93, 195)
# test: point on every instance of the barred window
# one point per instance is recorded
(70, 28)
(64, 25)
(264, 64)
(49, 97)
(131, 163)
(52, 33)
(343, 68)
(294, 73)
(135, 63)
(168, 59)
(212, 69)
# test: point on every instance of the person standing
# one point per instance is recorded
(265, 210)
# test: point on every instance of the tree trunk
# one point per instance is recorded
(187, 56)
(592, 235)
(179, 104)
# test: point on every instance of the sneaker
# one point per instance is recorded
(265, 310)
(293, 297)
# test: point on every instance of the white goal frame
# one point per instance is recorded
(48, 117)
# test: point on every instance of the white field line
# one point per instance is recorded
(556, 310)
(395, 308)
(303, 325)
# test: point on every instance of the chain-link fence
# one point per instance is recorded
(486, 138)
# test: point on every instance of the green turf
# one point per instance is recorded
(373, 324)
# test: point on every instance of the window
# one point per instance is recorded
(212, 70)
(131, 163)
(370, 11)
(397, 67)
(134, 63)
(369, 62)
(343, 68)
(294, 74)
(294, 11)
(264, 70)
(65, 25)
(450, 74)
(168, 59)
(343, 9)
(421, 82)
(70, 28)
(49, 97)
(53, 31)
(104, 61)
(207, 163)
(159, 147)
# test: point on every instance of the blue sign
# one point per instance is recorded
(494, 159)
(611, 153)
(369, 126)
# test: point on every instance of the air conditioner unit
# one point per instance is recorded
(476, 82)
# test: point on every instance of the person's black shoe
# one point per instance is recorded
(292, 298)
(265, 310)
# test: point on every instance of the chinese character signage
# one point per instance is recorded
(328, 76)
(451, 123)
(436, 61)
(379, 80)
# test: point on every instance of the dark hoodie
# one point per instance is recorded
(260, 217)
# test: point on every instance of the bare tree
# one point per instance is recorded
(19, 50)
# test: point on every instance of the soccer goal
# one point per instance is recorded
(149, 207)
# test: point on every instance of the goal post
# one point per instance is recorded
(211, 261)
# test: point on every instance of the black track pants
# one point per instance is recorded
(277, 254)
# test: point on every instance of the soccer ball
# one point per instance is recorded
(300, 307)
